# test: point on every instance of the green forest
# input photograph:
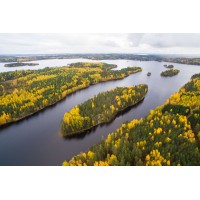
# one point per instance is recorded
(170, 72)
(169, 135)
(101, 108)
(25, 92)
(169, 66)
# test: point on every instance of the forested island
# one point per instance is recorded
(101, 108)
(169, 135)
(170, 72)
(19, 64)
(25, 92)
(169, 66)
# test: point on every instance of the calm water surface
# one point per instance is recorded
(37, 140)
(43, 64)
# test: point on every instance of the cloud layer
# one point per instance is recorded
(169, 43)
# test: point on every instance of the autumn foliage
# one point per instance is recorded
(28, 91)
(101, 108)
(169, 136)
(170, 72)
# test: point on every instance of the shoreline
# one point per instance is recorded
(20, 64)
(132, 57)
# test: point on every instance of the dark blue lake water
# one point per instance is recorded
(37, 140)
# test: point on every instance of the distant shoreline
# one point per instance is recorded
(19, 64)
(137, 57)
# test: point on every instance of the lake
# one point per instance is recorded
(43, 64)
(37, 139)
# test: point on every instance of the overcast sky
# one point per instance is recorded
(11, 43)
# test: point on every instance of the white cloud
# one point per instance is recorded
(11, 43)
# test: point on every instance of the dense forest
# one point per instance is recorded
(169, 135)
(187, 61)
(101, 108)
(169, 66)
(27, 91)
(170, 72)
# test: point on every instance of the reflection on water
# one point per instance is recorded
(37, 140)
